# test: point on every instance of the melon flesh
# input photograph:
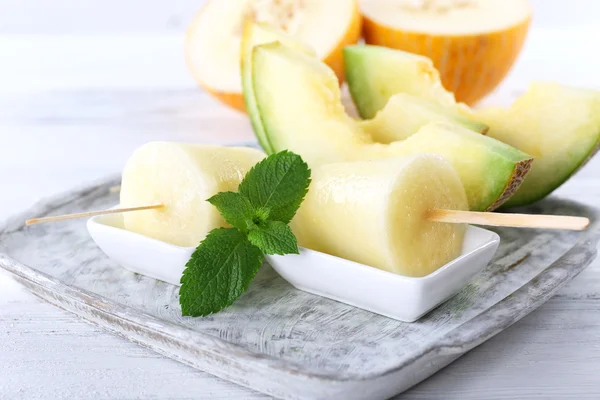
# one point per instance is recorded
(447, 17)
(181, 177)
(558, 125)
(472, 43)
(404, 115)
(214, 38)
(374, 212)
(298, 103)
(254, 35)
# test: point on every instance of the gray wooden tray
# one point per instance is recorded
(282, 341)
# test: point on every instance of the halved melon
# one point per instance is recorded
(374, 212)
(473, 43)
(404, 115)
(558, 125)
(214, 36)
(298, 103)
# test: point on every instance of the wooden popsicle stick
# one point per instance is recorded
(90, 214)
(511, 220)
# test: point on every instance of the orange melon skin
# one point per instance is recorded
(233, 100)
(471, 66)
(335, 59)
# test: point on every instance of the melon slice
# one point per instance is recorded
(255, 34)
(373, 212)
(375, 74)
(182, 177)
(298, 103)
(558, 125)
(404, 115)
(473, 43)
(214, 36)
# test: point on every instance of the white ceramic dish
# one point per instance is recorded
(399, 297)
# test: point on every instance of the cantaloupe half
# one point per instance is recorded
(299, 107)
(212, 46)
(473, 43)
(375, 213)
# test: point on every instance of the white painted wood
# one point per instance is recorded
(73, 108)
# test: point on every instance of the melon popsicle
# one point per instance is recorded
(181, 177)
(375, 213)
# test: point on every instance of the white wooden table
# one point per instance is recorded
(73, 108)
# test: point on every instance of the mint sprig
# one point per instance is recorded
(226, 261)
(235, 208)
(277, 184)
(274, 237)
(220, 270)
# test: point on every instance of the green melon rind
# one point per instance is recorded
(488, 184)
(267, 35)
(369, 67)
(523, 197)
(248, 91)
(557, 122)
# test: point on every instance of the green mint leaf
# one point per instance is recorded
(220, 270)
(274, 237)
(277, 183)
(236, 209)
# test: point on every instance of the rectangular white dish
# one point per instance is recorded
(394, 296)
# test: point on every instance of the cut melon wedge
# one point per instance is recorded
(298, 103)
(213, 39)
(374, 212)
(182, 177)
(404, 115)
(490, 170)
(374, 74)
(558, 125)
(255, 34)
(473, 43)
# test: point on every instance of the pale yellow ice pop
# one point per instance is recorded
(375, 213)
(181, 177)
(372, 212)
